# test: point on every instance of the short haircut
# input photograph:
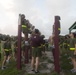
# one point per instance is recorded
(36, 31)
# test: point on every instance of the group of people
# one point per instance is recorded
(68, 42)
(37, 45)
(71, 46)
(36, 42)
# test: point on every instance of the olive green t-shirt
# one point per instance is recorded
(72, 42)
(7, 45)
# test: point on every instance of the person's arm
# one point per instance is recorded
(3, 48)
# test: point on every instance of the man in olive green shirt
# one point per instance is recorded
(6, 51)
(72, 46)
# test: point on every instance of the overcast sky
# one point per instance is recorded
(39, 12)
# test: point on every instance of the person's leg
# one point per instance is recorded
(32, 63)
(4, 61)
(74, 62)
(33, 58)
(72, 58)
(15, 53)
(38, 55)
(74, 65)
(9, 57)
(37, 63)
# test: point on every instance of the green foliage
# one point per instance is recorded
(65, 62)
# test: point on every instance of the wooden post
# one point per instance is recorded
(19, 45)
(30, 52)
(56, 43)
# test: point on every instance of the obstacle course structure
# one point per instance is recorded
(56, 29)
(19, 44)
(25, 30)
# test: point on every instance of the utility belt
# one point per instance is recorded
(72, 49)
(24, 26)
(7, 49)
(37, 47)
(59, 28)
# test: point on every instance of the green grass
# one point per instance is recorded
(12, 70)
(64, 64)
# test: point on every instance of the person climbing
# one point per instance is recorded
(25, 28)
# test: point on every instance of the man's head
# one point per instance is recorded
(33, 27)
(22, 16)
(27, 22)
(67, 36)
(36, 31)
(43, 36)
(72, 34)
